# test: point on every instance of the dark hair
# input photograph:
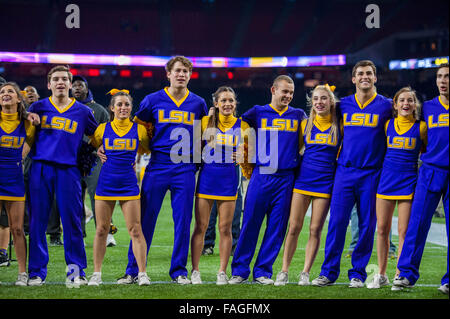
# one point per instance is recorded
(364, 63)
(442, 65)
(113, 100)
(21, 109)
(179, 58)
(59, 68)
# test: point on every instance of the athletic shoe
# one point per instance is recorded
(356, 283)
(182, 280)
(110, 241)
(235, 280)
(400, 283)
(222, 278)
(143, 279)
(127, 280)
(208, 251)
(304, 279)
(96, 279)
(444, 289)
(195, 277)
(378, 281)
(4, 260)
(22, 279)
(55, 241)
(282, 279)
(80, 280)
(35, 281)
(321, 281)
(263, 280)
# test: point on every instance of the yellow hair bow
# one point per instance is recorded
(24, 93)
(115, 91)
(332, 87)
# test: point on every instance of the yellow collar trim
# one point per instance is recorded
(121, 127)
(279, 112)
(177, 102)
(442, 103)
(403, 124)
(226, 122)
(64, 109)
(322, 123)
(367, 102)
(9, 122)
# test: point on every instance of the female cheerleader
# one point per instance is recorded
(314, 183)
(14, 131)
(406, 137)
(218, 178)
(121, 139)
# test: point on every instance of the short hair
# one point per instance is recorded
(442, 65)
(179, 58)
(59, 68)
(364, 63)
(282, 77)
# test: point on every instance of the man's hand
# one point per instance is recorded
(34, 118)
(101, 154)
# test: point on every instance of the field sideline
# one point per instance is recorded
(432, 268)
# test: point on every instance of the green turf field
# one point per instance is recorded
(432, 269)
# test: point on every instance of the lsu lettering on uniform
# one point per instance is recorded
(218, 178)
(316, 175)
(53, 172)
(121, 140)
(13, 134)
(356, 181)
(270, 188)
(404, 139)
(173, 138)
(432, 184)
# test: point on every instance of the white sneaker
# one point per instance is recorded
(22, 279)
(195, 277)
(143, 279)
(236, 280)
(263, 280)
(35, 281)
(96, 279)
(356, 283)
(321, 281)
(222, 278)
(126, 280)
(282, 279)
(444, 289)
(182, 280)
(304, 279)
(378, 282)
(110, 241)
(400, 283)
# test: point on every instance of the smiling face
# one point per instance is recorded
(282, 94)
(406, 104)
(60, 84)
(442, 81)
(9, 97)
(122, 107)
(364, 78)
(179, 75)
(321, 102)
(226, 103)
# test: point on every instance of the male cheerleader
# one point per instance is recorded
(270, 188)
(54, 171)
(171, 113)
(432, 184)
(364, 144)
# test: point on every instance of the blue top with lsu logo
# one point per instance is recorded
(435, 114)
(173, 121)
(281, 152)
(59, 136)
(364, 142)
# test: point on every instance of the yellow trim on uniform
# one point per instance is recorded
(322, 195)
(121, 127)
(367, 102)
(97, 138)
(279, 112)
(403, 124)
(216, 197)
(13, 198)
(9, 121)
(424, 132)
(399, 197)
(442, 103)
(177, 103)
(117, 197)
(65, 108)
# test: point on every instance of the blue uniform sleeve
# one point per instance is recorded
(250, 117)
(34, 107)
(204, 109)
(145, 110)
(91, 124)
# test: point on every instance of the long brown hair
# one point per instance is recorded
(21, 109)
(113, 100)
(416, 112)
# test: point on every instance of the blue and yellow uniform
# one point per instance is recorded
(53, 172)
(121, 139)
(13, 134)
(316, 175)
(171, 167)
(432, 184)
(356, 180)
(278, 138)
(218, 178)
(405, 138)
